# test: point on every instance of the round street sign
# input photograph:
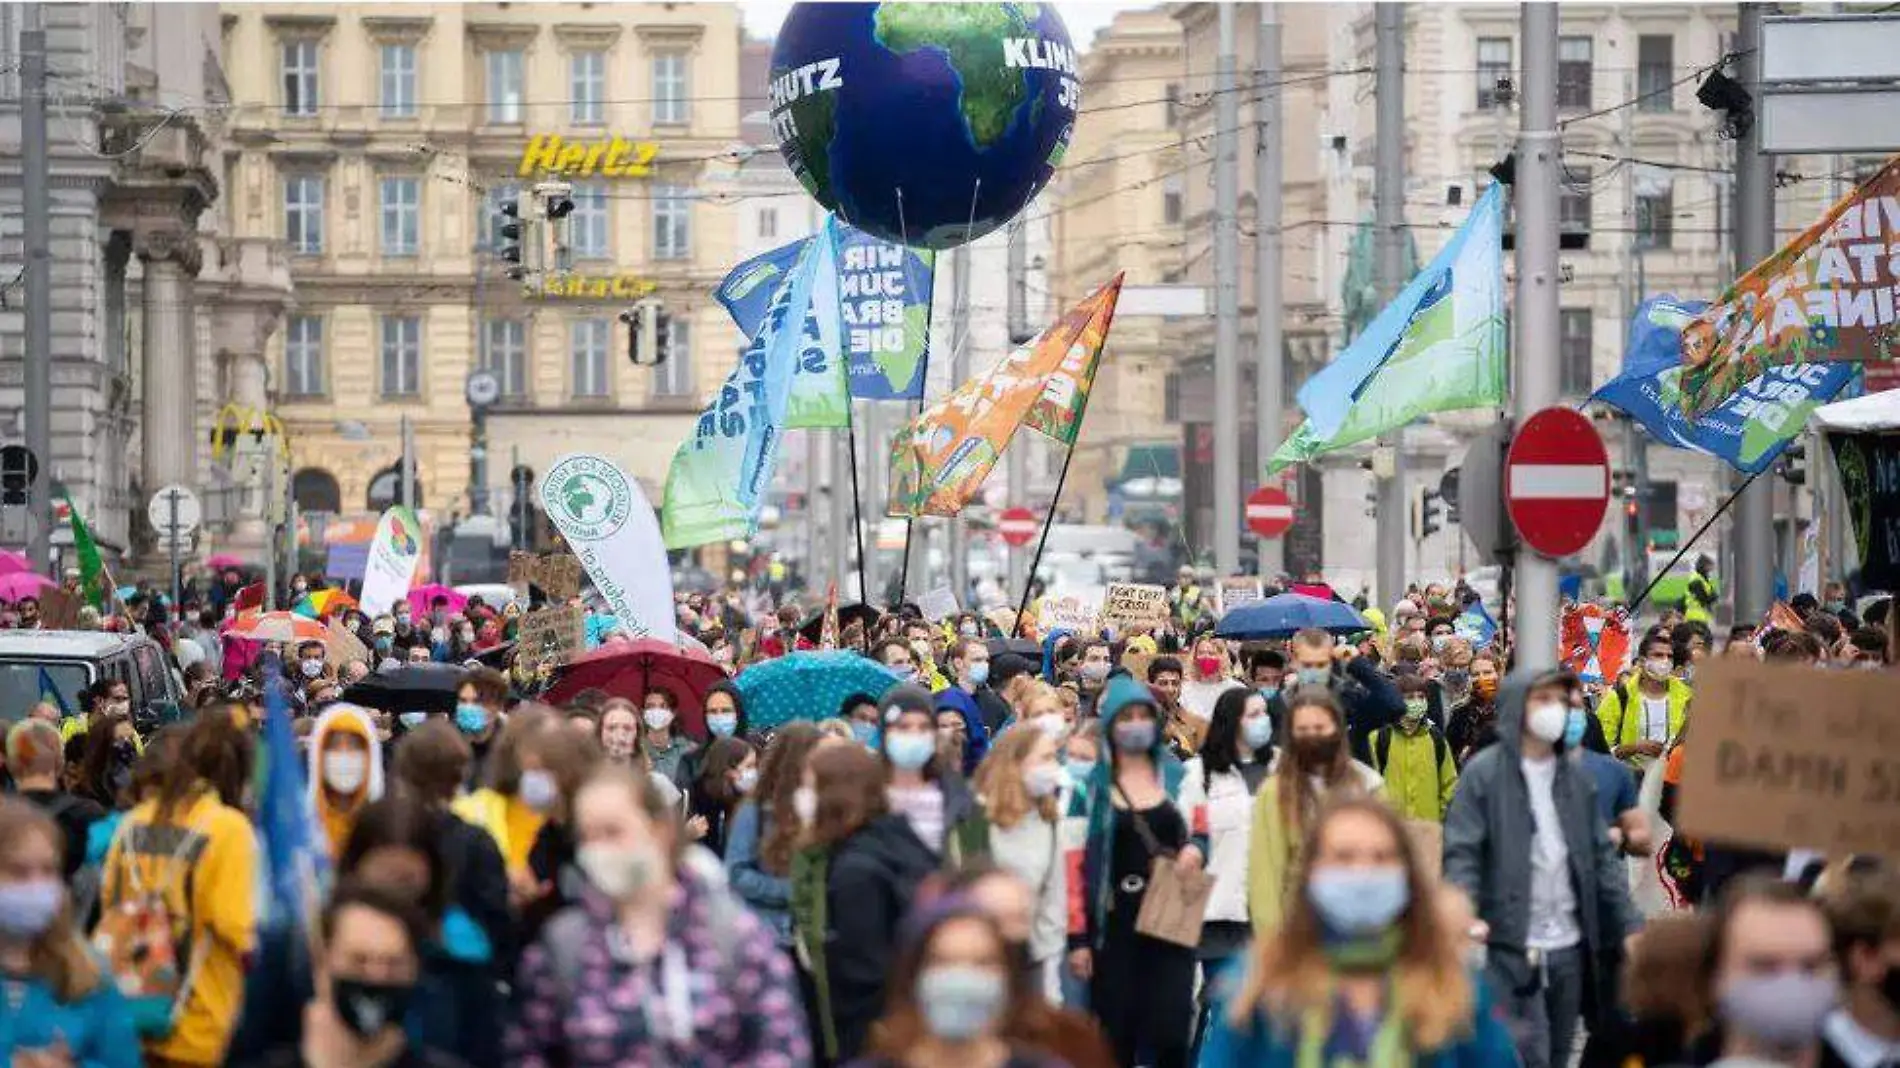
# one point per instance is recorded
(1017, 525)
(1557, 481)
(1269, 511)
(188, 515)
(483, 389)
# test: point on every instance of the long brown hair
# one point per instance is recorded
(504, 760)
(568, 755)
(212, 751)
(57, 956)
(721, 757)
(999, 780)
(1289, 974)
(1298, 799)
(96, 765)
(851, 793)
(902, 1026)
(779, 776)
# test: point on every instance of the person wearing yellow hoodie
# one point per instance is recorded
(1647, 709)
(346, 771)
(510, 810)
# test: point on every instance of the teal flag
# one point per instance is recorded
(820, 398)
(719, 474)
(1439, 347)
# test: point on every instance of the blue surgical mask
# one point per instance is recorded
(1358, 901)
(28, 909)
(1136, 737)
(471, 718)
(1079, 770)
(1574, 727)
(910, 750)
(1268, 693)
(722, 724)
(1257, 731)
(865, 733)
(960, 1000)
(538, 790)
(979, 673)
(412, 720)
(1315, 676)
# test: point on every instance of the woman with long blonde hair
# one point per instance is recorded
(1365, 969)
(59, 1009)
(1018, 788)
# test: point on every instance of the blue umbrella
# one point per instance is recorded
(808, 686)
(1280, 617)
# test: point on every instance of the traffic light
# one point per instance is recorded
(1794, 463)
(511, 231)
(648, 325)
(554, 203)
(1430, 513)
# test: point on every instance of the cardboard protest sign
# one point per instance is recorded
(1236, 590)
(550, 637)
(521, 568)
(1134, 604)
(558, 574)
(1078, 612)
(1786, 757)
(940, 603)
(340, 646)
(59, 610)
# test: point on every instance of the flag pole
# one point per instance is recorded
(923, 388)
(857, 500)
(1693, 538)
(1029, 581)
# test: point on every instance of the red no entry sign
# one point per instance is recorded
(1557, 481)
(1269, 511)
(1017, 525)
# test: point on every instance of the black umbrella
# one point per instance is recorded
(1019, 646)
(409, 688)
(812, 630)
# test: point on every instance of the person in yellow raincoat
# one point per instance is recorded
(346, 771)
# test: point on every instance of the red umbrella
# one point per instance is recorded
(631, 669)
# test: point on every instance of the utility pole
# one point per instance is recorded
(838, 453)
(1535, 384)
(1388, 202)
(1016, 319)
(1635, 441)
(1754, 578)
(1226, 300)
(37, 231)
(406, 469)
(957, 544)
(871, 477)
(272, 510)
(1269, 345)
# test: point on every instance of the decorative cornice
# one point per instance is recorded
(583, 36)
(300, 25)
(490, 36)
(397, 29)
(670, 33)
(169, 243)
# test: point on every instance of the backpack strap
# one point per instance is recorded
(1381, 749)
(1442, 747)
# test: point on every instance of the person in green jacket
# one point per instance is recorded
(1414, 758)
(1648, 707)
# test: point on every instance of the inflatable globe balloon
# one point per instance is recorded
(923, 123)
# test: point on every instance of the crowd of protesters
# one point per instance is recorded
(1411, 853)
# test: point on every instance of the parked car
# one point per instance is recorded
(57, 665)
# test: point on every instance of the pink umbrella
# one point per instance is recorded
(422, 597)
(23, 584)
(12, 563)
(222, 561)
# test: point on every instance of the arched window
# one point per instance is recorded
(316, 490)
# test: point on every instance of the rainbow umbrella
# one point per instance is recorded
(321, 603)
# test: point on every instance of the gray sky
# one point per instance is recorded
(1083, 17)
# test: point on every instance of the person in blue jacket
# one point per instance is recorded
(1141, 988)
(1368, 969)
(59, 1008)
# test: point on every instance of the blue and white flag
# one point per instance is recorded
(1467, 274)
(884, 291)
(1749, 429)
(748, 289)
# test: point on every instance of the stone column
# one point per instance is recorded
(171, 259)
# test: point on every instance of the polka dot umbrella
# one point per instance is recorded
(808, 686)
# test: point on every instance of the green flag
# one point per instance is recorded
(93, 582)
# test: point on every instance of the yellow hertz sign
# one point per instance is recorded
(593, 287)
(614, 157)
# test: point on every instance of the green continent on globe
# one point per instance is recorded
(970, 36)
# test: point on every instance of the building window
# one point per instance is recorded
(505, 354)
(1172, 202)
(303, 214)
(303, 356)
(402, 216)
(490, 224)
(1574, 72)
(1494, 66)
(587, 344)
(669, 87)
(1573, 205)
(672, 223)
(587, 87)
(1655, 219)
(399, 81)
(1656, 72)
(768, 222)
(590, 237)
(300, 78)
(504, 68)
(674, 376)
(1573, 349)
(401, 356)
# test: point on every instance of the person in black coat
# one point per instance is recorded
(430, 764)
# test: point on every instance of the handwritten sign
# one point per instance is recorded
(340, 646)
(1236, 590)
(1787, 757)
(549, 637)
(558, 574)
(940, 603)
(1080, 612)
(1134, 604)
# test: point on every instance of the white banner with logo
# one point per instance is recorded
(610, 526)
(393, 556)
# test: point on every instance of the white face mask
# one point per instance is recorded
(538, 790)
(1546, 720)
(1657, 667)
(1043, 780)
(657, 719)
(345, 771)
(1051, 724)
